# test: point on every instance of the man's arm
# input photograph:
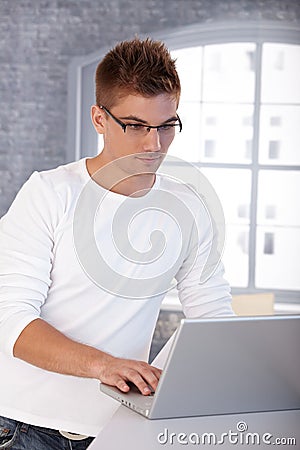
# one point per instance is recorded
(42, 345)
(202, 288)
(26, 242)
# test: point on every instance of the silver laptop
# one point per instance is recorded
(225, 366)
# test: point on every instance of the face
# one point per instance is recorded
(146, 151)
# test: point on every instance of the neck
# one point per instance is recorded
(135, 185)
(111, 177)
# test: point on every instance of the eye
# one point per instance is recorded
(135, 126)
(167, 127)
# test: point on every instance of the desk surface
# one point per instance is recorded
(128, 430)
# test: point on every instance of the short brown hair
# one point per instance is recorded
(142, 67)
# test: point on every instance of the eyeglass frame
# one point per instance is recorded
(147, 127)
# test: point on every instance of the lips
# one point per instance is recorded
(149, 158)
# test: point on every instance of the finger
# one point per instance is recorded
(156, 371)
(151, 377)
(139, 381)
(149, 374)
(121, 384)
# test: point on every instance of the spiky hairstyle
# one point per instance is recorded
(136, 67)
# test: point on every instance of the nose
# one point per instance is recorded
(151, 141)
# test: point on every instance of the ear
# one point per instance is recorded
(98, 119)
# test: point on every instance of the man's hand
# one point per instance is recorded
(118, 371)
(43, 346)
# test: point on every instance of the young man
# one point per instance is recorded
(63, 327)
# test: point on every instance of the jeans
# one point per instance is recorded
(16, 435)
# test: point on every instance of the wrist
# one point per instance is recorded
(99, 364)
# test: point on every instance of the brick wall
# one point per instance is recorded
(38, 38)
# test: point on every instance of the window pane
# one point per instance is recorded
(233, 187)
(229, 74)
(277, 256)
(279, 135)
(226, 133)
(186, 145)
(278, 231)
(189, 68)
(280, 73)
(278, 198)
(100, 143)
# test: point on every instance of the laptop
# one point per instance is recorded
(225, 366)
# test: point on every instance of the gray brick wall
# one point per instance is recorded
(39, 38)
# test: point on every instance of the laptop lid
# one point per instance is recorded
(226, 366)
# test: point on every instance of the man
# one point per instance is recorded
(63, 327)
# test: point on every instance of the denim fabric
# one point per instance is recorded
(16, 435)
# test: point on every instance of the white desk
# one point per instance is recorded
(128, 430)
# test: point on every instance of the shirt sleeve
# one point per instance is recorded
(26, 244)
(211, 297)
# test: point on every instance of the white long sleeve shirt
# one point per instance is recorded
(50, 267)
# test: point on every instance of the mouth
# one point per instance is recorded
(148, 158)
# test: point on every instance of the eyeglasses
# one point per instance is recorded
(138, 130)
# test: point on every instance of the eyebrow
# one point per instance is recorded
(137, 119)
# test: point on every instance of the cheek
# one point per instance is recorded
(116, 144)
(114, 137)
(165, 143)
(128, 147)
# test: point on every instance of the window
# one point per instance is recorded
(240, 109)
